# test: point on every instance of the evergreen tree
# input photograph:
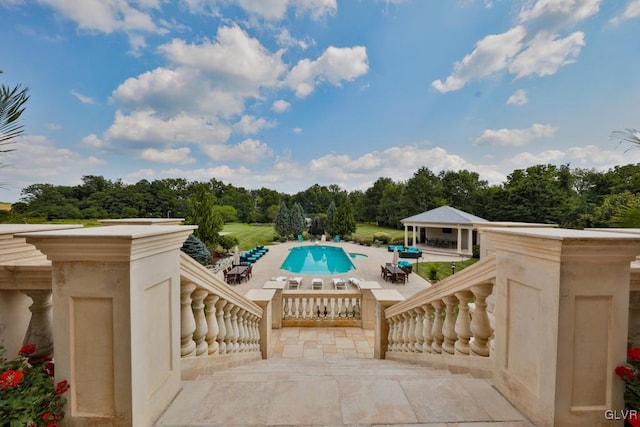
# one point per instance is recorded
(344, 223)
(297, 219)
(331, 213)
(196, 249)
(202, 214)
(282, 222)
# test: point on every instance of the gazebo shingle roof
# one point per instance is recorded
(444, 215)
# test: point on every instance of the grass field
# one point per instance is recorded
(4, 206)
(365, 231)
(441, 269)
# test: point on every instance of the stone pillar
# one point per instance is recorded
(406, 235)
(263, 298)
(459, 241)
(369, 304)
(562, 299)
(277, 303)
(385, 298)
(116, 305)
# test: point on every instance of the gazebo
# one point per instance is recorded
(444, 227)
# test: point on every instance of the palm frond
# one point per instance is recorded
(629, 135)
(12, 101)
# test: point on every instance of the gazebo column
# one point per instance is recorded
(414, 235)
(406, 234)
(459, 240)
(470, 241)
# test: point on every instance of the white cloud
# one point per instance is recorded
(108, 16)
(285, 39)
(297, 130)
(334, 66)
(37, 159)
(177, 155)
(545, 54)
(233, 56)
(567, 11)
(280, 105)
(515, 137)
(519, 97)
(276, 9)
(247, 151)
(92, 140)
(147, 127)
(250, 125)
(491, 55)
(82, 98)
(631, 11)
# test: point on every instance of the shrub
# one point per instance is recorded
(28, 394)
(433, 272)
(383, 237)
(228, 242)
(476, 252)
(196, 249)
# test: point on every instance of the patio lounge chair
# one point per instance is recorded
(317, 283)
(294, 283)
(336, 238)
(355, 281)
(339, 283)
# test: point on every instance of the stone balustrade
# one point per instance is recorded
(322, 308)
(438, 320)
(215, 320)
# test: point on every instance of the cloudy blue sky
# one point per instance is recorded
(288, 93)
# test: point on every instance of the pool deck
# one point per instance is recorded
(366, 268)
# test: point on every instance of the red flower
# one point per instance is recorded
(27, 349)
(49, 368)
(52, 424)
(634, 420)
(10, 378)
(62, 387)
(634, 353)
(624, 373)
(46, 416)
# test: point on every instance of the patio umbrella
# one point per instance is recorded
(236, 256)
(395, 256)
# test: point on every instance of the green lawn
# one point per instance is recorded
(365, 231)
(250, 235)
(443, 269)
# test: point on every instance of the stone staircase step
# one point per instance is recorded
(348, 392)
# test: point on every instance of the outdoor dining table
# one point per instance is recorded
(396, 273)
(235, 274)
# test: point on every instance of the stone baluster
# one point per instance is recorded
(236, 329)
(449, 327)
(392, 335)
(246, 320)
(389, 334)
(411, 346)
(239, 344)
(228, 338)
(463, 323)
(255, 336)
(296, 311)
(40, 329)
(332, 304)
(303, 308)
(480, 327)
(310, 311)
(289, 308)
(349, 307)
(325, 309)
(405, 331)
(222, 327)
(202, 329)
(358, 308)
(436, 330)
(187, 321)
(212, 323)
(339, 306)
(419, 323)
(427, 327)
(399, 327)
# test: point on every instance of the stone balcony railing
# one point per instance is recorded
(322, 308)
(437, 326)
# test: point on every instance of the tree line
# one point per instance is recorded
(570, 197)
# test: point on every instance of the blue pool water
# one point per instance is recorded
(317, 259)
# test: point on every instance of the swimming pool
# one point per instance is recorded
(317, 259)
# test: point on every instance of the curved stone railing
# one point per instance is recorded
(215, 320)
(318, 308)
(447, 319)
